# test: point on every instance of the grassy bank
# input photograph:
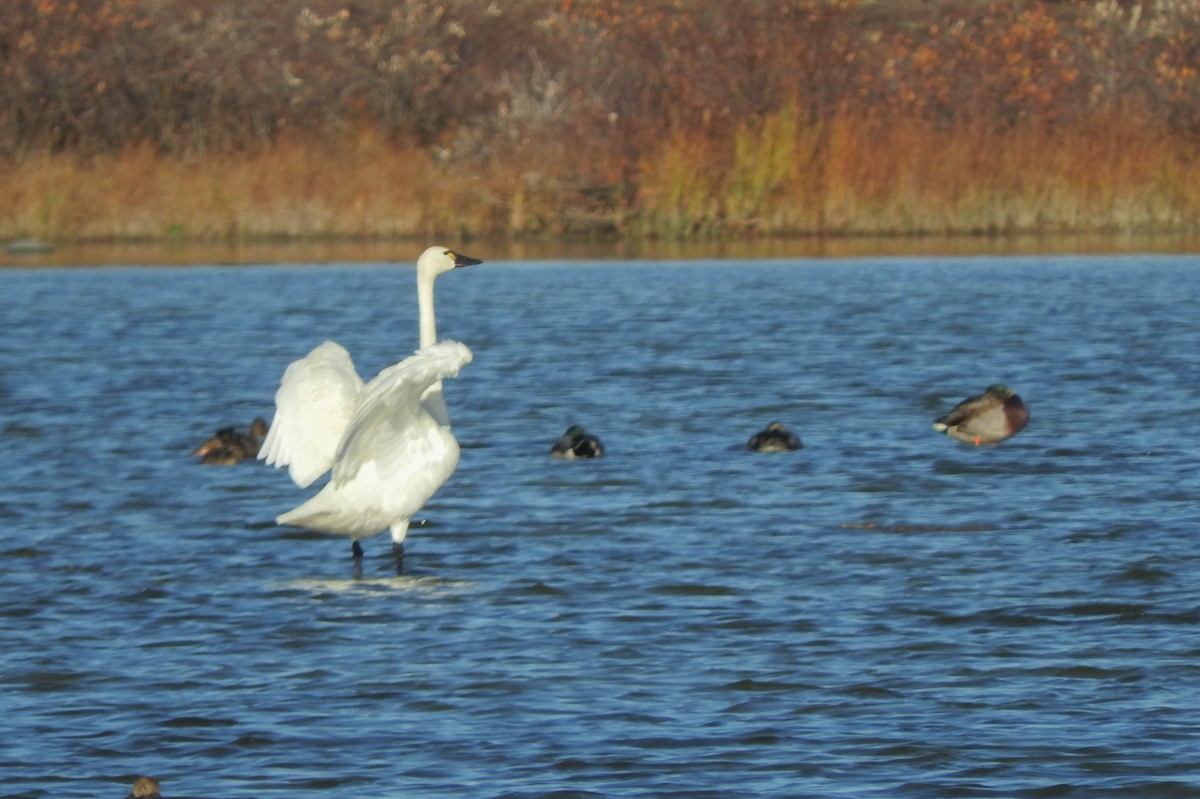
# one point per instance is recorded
(232, 121)
(778, 177)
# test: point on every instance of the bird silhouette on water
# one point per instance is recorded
(576, 444)
(228, 446)
(774, 438)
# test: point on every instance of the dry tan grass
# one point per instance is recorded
(844, 176)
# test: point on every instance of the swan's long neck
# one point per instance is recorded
(432, 400)
(425, 310)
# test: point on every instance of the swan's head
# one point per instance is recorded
(439, 260)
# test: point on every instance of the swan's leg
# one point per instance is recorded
(357, 552)
(399, 531)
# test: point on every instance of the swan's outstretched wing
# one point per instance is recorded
(313, 405)
(394, 433)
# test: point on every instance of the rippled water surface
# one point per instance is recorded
(885, 613)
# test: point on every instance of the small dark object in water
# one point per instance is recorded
(575, 444)
(229, 447)
(144, 788)
(775, 438)
(993, 416)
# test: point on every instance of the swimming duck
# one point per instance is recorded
(145, 788)
(224, 456)
(576, 443)
(228, 447)
(774, 438)
(992, 417)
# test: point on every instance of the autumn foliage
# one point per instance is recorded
(219, 118)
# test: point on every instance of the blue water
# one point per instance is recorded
(885, 613)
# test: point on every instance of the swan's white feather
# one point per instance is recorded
(313, 406)
(394, 454)
(391, 425)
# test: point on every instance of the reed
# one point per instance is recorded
(766, 161)
(349, 187)
(782, 175)
(678, 189)
(909, 177)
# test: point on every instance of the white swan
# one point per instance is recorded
(388, 442)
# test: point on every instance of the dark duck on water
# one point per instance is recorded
(774, 438)
(228, 447)
(576, 443)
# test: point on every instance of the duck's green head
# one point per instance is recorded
(574, 431)
(1000, 390)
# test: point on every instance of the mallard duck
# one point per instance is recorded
(229, 447)
(774, 438)
(993, 416)
(576, 443)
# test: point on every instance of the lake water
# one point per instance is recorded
(885, 613)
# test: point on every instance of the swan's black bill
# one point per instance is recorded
(464, 260)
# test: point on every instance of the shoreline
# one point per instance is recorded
(306, 250)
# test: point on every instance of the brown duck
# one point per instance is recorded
(993, 416)
(228, 446)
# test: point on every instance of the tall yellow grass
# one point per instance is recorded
(859, 176)
(358, 187)
(780, 175)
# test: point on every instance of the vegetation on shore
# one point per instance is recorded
(161, 119)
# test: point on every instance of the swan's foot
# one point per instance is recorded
(398, 556)
(357, 552)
